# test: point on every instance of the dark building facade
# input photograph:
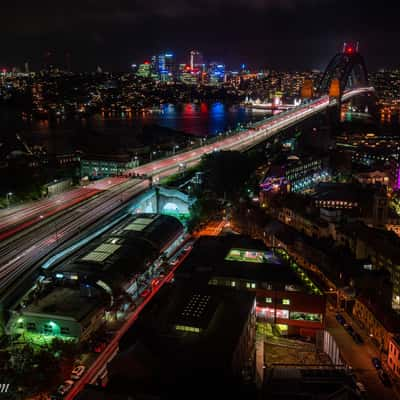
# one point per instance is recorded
(189, 341)
(285, 295)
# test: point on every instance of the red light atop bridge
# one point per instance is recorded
(350, 48)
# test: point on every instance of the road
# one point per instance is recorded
(358, 356)
(108, 353)
(213, 228)
(19, 254)
(244, 140)
(15, 219)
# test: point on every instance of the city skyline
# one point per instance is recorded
(182, 212)
(276, 34)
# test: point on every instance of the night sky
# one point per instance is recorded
(286, 34)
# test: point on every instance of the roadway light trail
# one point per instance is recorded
(16, 219)
(104, 357)
(245, 139)
(17, 256)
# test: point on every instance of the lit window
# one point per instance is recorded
(31, 326)
(286, 302)
(253, 285)
(233, 283)
(283, 314)
(268, 300)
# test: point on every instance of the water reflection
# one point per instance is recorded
(198, 119)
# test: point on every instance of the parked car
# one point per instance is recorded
(361, 388)
(155, 281)
(145, 293)
(188, 246)
(384, 377)
(77, 372)
(376, 362)
(65, 387)
(357, 338)
(174, 261)
(349, 328)
(99, 347)
(340, 319)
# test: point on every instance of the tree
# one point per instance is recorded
(204, 208)
(226, 172)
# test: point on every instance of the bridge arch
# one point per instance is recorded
(349, 68)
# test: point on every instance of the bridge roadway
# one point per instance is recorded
(18, 218)
(244, 140)
(19, 252)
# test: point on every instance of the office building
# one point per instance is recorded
(285, 295)
(144, 70)
(189, 341)
(394, 355)
(216, 73)
(163, 66)
(96, 166)
(195, 59)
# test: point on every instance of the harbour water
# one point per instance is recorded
(196, 119)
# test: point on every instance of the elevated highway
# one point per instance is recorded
(17, 254)
(243, 141)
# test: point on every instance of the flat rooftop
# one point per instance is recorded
(64, 302)
(293, 383)
(185, 334)
(238, 257)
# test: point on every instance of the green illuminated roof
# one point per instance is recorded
(253, 256)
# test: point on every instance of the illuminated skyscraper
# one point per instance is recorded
(187, 75)
(144, 70)
(216, 72)
(163, 65)
(196, 59)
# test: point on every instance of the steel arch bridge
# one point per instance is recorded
(349, 68)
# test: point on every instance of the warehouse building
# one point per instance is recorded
(106, 275)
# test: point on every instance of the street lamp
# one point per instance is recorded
(8, 196)
(174, 149)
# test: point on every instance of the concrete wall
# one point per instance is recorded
(163, 201)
